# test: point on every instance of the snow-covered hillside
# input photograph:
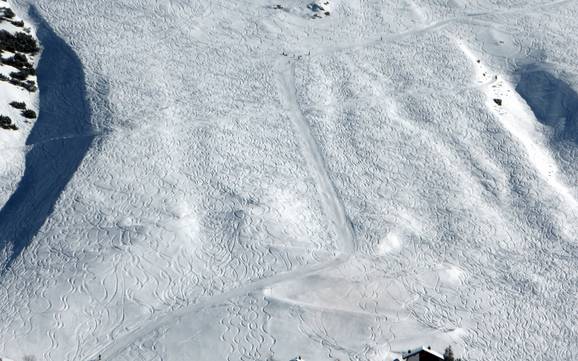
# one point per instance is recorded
(258, 180)
(18, 93)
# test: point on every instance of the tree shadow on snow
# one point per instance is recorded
(59, 141)
(554, 102)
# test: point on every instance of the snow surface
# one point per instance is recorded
(230, 181)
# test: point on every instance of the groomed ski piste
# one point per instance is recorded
(262, 180)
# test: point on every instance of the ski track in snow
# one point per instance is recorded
(332, 206)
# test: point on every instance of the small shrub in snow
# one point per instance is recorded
(28, 84)
(18, 24)
(18, 105)
(5, 120)
(6, 123)
(29, 113)
(20, 75)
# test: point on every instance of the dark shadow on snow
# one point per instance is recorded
(60, 139)
(554, 102)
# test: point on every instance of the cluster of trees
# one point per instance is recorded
(6, 122)
(25, 69)
(26, 113)
(29, 85)
(8, 15)
(23, 74)
(18, 42)
(18, 61)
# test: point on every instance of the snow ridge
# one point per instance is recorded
(515, 115)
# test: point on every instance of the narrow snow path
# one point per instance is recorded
(330, 201)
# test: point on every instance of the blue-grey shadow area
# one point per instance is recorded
(59, 141)
(554, 102)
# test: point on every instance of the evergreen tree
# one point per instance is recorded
(449, 354)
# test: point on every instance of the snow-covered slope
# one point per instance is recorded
(248, 181)
(14, 128)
